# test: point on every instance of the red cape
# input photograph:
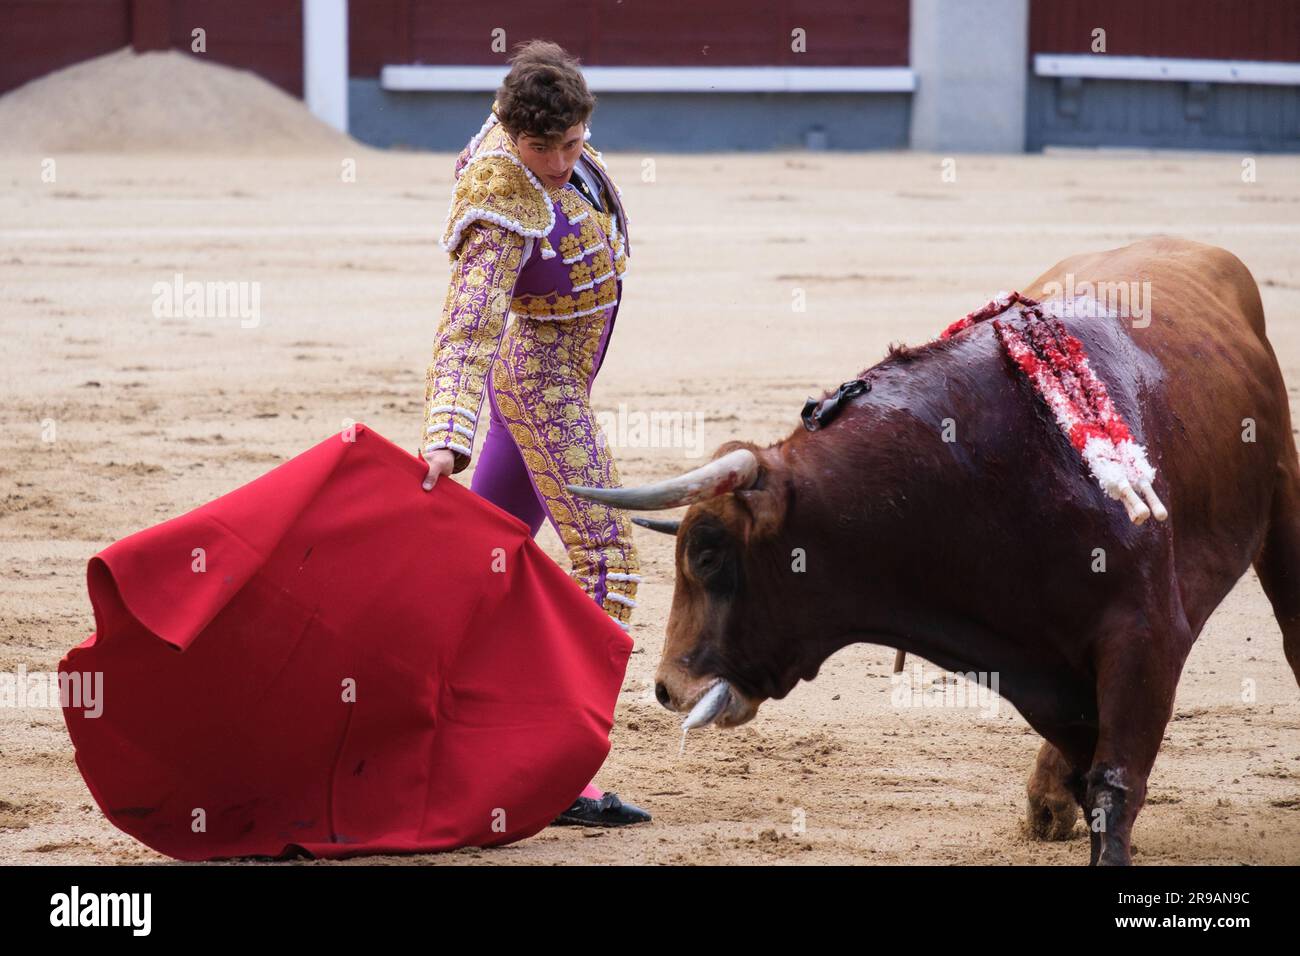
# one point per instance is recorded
(485, 679)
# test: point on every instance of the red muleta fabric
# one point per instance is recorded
(485, 681)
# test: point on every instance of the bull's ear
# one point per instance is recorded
(766, 505)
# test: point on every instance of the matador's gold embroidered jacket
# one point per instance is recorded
(516, 246)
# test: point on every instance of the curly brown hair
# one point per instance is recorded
(544, 94)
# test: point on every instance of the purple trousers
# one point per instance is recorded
(543, 435)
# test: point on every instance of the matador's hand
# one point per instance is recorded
(440, 462)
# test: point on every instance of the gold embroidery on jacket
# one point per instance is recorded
(474, 318)
(496, 187)
(595, 257)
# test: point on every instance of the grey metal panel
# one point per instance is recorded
(1225, 116)
(690, 122)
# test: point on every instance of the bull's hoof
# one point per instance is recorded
(1051, 819)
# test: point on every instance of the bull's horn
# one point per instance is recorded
(1158, 510)
(734, 470)
(710, 706)
(666, 525)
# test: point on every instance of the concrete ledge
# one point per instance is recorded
(1102, 66)
(669, 79)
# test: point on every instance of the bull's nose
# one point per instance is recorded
(661, 693)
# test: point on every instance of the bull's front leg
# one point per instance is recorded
(1052, 808)
(1136, 681)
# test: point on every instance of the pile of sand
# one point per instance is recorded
(158, 101)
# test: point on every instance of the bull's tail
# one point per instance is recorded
(1278, 561)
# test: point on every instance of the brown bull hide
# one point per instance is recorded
(978, 554)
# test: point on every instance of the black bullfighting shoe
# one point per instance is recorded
(608, 811)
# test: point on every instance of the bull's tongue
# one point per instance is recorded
(714, 702)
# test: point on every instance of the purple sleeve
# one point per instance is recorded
(484, 269)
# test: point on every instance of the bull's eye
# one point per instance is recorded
(706, 562)
(709, 555)
(714, 569)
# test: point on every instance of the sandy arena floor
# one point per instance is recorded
(156, 416)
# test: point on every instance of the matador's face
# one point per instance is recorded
(551, 160)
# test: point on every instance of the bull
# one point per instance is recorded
(980, 553)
